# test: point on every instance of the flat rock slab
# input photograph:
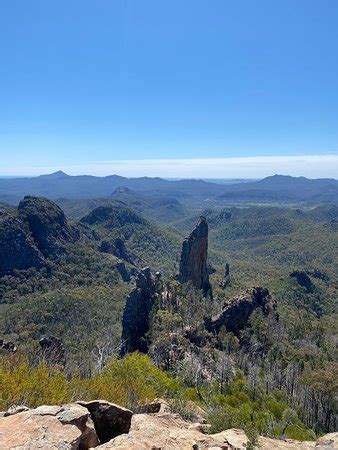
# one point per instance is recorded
(166, 432)
(49, 427)
(29, 432)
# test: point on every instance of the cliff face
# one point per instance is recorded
(136, 315)
(235, 314)
(17, 247)
(194, 256)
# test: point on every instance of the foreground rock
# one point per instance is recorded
(166, 431)
(235, 314)
(49, 427)
(110, 420)
(101, 424)
(136, 315)
(194, 258)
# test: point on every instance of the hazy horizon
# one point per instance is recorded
(256, 167)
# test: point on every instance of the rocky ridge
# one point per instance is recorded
(235, 313)
(104, 425)
(37, 230)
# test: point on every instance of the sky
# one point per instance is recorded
(219, 88)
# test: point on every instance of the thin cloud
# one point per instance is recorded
(312, 166)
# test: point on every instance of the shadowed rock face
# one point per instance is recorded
(110, 420)
(136, 315)
(116, 248)
(47, 223)
(235, 315)
(303, 280)
(17, 247)
(193, 264)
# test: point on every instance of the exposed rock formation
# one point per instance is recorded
(303, 280)
(53, 351)
(122, 270)
(117, 248)
(7, 346)
(85, 425)
(37, 230)
(65, 427)
(193, 264)
(167, 431)
(226, 277)
(17, 247)
(235, 314)
(136, 315)
(47, 223)
(110, 420)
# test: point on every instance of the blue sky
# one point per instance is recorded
(84, 84)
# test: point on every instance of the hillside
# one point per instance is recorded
(277, 188)
(263, 317)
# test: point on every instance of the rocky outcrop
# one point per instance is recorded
(47, 224)
(53, 351)
(110, 420)
(194, 259)
(117, 248)
(166, 431)
(104, 425)
(37, 230)
(226, 277)
(123, 272)
(7, 346)
(49, 428)
(17, 247)
(136, 315)
(235, 314)
(303, 280)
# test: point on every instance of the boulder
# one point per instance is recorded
(136, 315)
(49, 428)
(110, 420)
(235, 314)
(158, 405)
(194, 256)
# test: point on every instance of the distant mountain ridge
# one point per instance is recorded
(274, 188)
